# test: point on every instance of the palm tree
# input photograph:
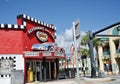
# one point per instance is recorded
(85, 51)
(96, 43)
(84, 54)
(85, 40)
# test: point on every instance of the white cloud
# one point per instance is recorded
(65, 40)
(68, 35)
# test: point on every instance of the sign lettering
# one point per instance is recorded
(58, 54)
(34, 29)
(31, 54)
(47, 54)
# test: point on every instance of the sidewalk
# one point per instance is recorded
(83, 80)
(62, 81)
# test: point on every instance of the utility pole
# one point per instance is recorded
(93, 67)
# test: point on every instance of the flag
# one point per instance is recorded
(72, 48)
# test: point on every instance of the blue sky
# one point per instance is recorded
(93, 14)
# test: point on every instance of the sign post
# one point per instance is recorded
(76, 35)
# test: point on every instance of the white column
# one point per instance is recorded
(112, 53)
(100, 54)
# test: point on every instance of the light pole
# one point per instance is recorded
(75, 42)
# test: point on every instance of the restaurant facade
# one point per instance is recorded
(16, 50)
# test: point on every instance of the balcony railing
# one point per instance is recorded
(106, 53)
(117, 51)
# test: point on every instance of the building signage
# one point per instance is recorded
(41, 33)
(34, 29)
(104, 39)
(47, 54)
(29, 54)
(76, 28)
(59, 54)
(42, 36)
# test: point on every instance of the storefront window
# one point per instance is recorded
(6, 65)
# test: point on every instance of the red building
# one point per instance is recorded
(16, 53)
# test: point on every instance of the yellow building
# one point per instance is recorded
(109, 52)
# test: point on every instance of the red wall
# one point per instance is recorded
(11, 41)
(18, 40)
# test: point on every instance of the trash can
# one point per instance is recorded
(101, 74)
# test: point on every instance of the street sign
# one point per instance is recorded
(104, 39)
(76, 28)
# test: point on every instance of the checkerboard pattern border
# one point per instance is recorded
(12, 26)
(14, 65)
(25, 17)
(23, 26)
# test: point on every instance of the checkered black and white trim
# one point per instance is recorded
(13, 26)
(24, 17)
(5, 75)
(14, 65)
(23, 26)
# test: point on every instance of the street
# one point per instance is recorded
(113, 79)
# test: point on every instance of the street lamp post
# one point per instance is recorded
(75, 42)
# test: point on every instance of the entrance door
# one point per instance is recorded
(46, 71)
(38, 71)
(52, 70)
(29, 64)
(36, 68)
